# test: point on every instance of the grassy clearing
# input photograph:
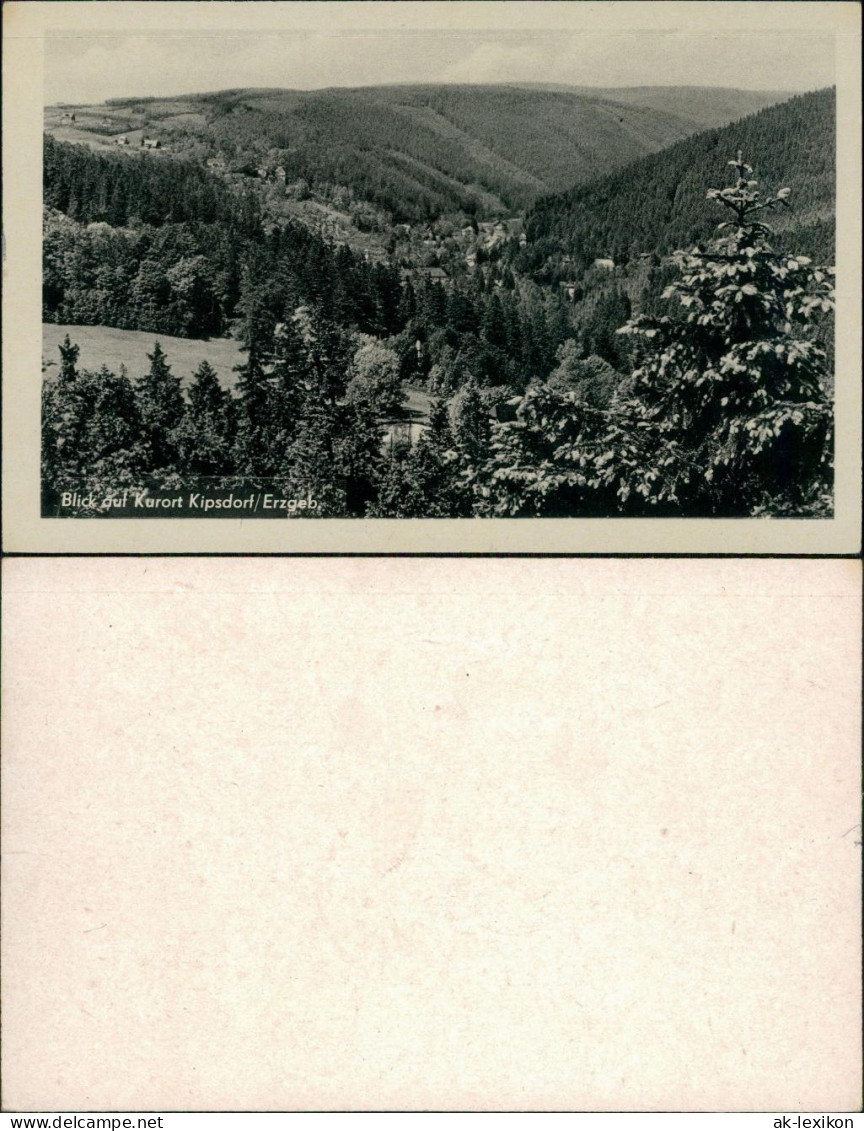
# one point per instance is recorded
(104, 345)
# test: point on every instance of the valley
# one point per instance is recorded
(413, 151)
(323, 268)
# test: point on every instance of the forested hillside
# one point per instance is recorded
(414, 151)
(166, 246)
(657, 203)
(121, 188)
(238, 267)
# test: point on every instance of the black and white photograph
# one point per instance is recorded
(454, 275)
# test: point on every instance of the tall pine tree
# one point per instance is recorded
(205, 436)
(161, 405)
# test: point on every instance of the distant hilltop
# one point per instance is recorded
(420, 151)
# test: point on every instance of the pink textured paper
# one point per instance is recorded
(293, 834)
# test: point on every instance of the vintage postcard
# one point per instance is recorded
(458, 277)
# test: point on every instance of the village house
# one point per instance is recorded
(498, 235)
(151, 143)
(437, 274)
(433, 274)
(121, 140)
(504, 411)
(605, 264)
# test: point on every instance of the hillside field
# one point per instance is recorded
(103, 345)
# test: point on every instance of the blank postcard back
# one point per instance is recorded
(431, 834)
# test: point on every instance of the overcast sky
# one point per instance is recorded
(87, 67)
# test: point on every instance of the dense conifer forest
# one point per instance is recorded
(657, 204)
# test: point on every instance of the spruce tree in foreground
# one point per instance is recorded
(252, 444)
(161, 405)
(205, 436)
(91, 433)
(69, 360)
(727, 412)
(61, 420)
